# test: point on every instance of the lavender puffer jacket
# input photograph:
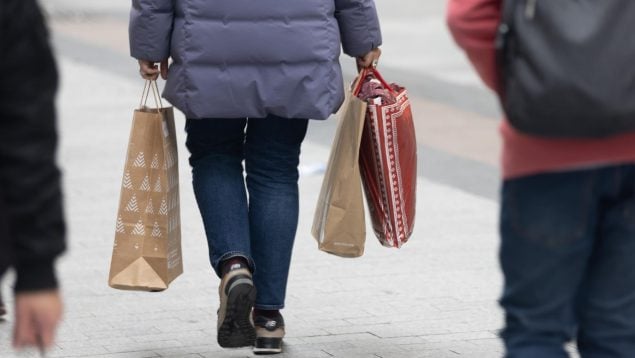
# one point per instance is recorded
(252, 58)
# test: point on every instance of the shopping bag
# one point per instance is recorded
(388, 158)
(147, 250)
(338, 225)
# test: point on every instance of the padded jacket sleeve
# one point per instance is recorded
(359, 26)
(32, 231)
(150, 30)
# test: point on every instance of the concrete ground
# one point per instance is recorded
(435, 297)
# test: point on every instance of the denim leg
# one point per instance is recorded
(272, 153)
(607, 308)
(547, 227)
(216, 148)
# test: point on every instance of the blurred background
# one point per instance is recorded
(418, 52)
(435, 297)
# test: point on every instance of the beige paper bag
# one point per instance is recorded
(338, 224)
(147, 250)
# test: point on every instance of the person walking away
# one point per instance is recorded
(248, 76)
(32, 230)
(567, 220)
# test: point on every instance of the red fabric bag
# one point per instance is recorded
(388, 158)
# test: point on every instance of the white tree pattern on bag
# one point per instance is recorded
(156, 230)
(157, 186)
(155, 162)
(163, 210)
(140, 162)
(132, 204)
(145, 185)
(139, 229)
(120, 227)
(127, 181)
(150, 207)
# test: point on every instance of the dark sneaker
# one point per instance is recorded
(237, 296)
(269, 334)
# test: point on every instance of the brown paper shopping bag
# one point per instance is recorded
(338, 224)
(147, 249)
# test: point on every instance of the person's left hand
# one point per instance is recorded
(37, 315)
(368, 60)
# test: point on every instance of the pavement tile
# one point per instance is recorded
(77, 352)
(142, 346)
(101, 342)
(339, 338)
(146, 354)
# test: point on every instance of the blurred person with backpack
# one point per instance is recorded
(565, 75)
(249, 75)
(32, 230)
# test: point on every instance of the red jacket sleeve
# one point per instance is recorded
(473, 24)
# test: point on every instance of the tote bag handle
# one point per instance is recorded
(365, 72)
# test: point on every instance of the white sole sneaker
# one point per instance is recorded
(237, 297)
(269, 334)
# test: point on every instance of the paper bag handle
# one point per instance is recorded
(150, 84)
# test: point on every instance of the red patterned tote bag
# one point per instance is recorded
(388, 158)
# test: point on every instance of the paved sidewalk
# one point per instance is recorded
(436, 297)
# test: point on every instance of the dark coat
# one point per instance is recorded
(245, 58)
(31, 220)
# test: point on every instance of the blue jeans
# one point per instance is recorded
(256, 216)
(568, 257)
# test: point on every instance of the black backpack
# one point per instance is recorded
(568, 66)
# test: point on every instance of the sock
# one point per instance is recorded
(233, 262)
(266, 313)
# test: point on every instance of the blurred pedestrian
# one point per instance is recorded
(31, 224)
(248, 75)
(567, 220)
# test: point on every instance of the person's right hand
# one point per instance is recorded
(150, 71)
(37, 315)
(368, 60)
